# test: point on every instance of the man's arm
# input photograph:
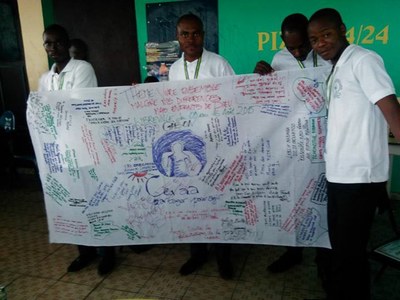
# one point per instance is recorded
(390, 108)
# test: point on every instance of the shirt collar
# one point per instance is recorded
(67, 68)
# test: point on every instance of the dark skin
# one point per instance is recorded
(295, 42)
(329, 41)
(190, 35)
(57, 48)
(77, 53)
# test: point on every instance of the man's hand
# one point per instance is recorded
(263, 68)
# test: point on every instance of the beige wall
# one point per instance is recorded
(31, 18)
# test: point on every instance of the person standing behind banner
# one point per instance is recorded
(362, 103)
(198, 63)
(297, 54)
(65, 74)
(78, 49)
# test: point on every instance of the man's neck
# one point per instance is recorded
(193, 57)
(61, 65)
(344, 46)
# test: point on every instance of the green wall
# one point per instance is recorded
(373, 24)
(243, 24)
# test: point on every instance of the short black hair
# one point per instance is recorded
(295, 23)
(150, 79)
(190, 17)
(55, 28)
(80, 44)
(330, 14)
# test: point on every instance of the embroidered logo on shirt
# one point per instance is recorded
(337, 89)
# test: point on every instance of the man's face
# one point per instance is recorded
(56, 46)
(297, 44)
(191, 38)
(327, 38)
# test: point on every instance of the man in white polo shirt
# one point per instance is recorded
(65, 74)
(362, 103)
(297, 54)
(198, 63)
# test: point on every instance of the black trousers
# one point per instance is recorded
(345, 268)
(90, 251)
(199, 251)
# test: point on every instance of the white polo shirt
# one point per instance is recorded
(212, 65)
(284, 60)
(357, 139)
(76, 74)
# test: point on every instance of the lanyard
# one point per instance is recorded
(196, 72)
(60, 82)
(329, 81)
(315, 61)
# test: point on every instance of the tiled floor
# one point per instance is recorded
(31, 268)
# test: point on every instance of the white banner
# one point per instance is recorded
(224, 160)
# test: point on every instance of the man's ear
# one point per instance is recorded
(343, 29)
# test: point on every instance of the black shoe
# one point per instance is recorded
(79, 263)
(106, 265)
(191, 265)
(285, 262)
(225, 269)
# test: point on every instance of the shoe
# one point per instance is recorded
(79, 263)
(225, 269)
(106, 265)
(285, 262)
(191, 265)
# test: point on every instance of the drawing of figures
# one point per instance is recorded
(180, 163)
(179, 154)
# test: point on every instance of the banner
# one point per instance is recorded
(225, 160)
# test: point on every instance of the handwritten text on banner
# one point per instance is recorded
(231, 160)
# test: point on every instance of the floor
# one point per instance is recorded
(31, 268)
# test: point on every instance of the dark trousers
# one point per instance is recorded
(200, 251)
(90, 251)
(295, 251)
(345, 268)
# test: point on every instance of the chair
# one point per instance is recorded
(388, 253)
(11, 156)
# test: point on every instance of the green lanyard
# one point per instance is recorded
(60, 83)
(315, 61)
(329, 81)
(196, 72)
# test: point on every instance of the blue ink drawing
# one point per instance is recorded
(179, 154)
